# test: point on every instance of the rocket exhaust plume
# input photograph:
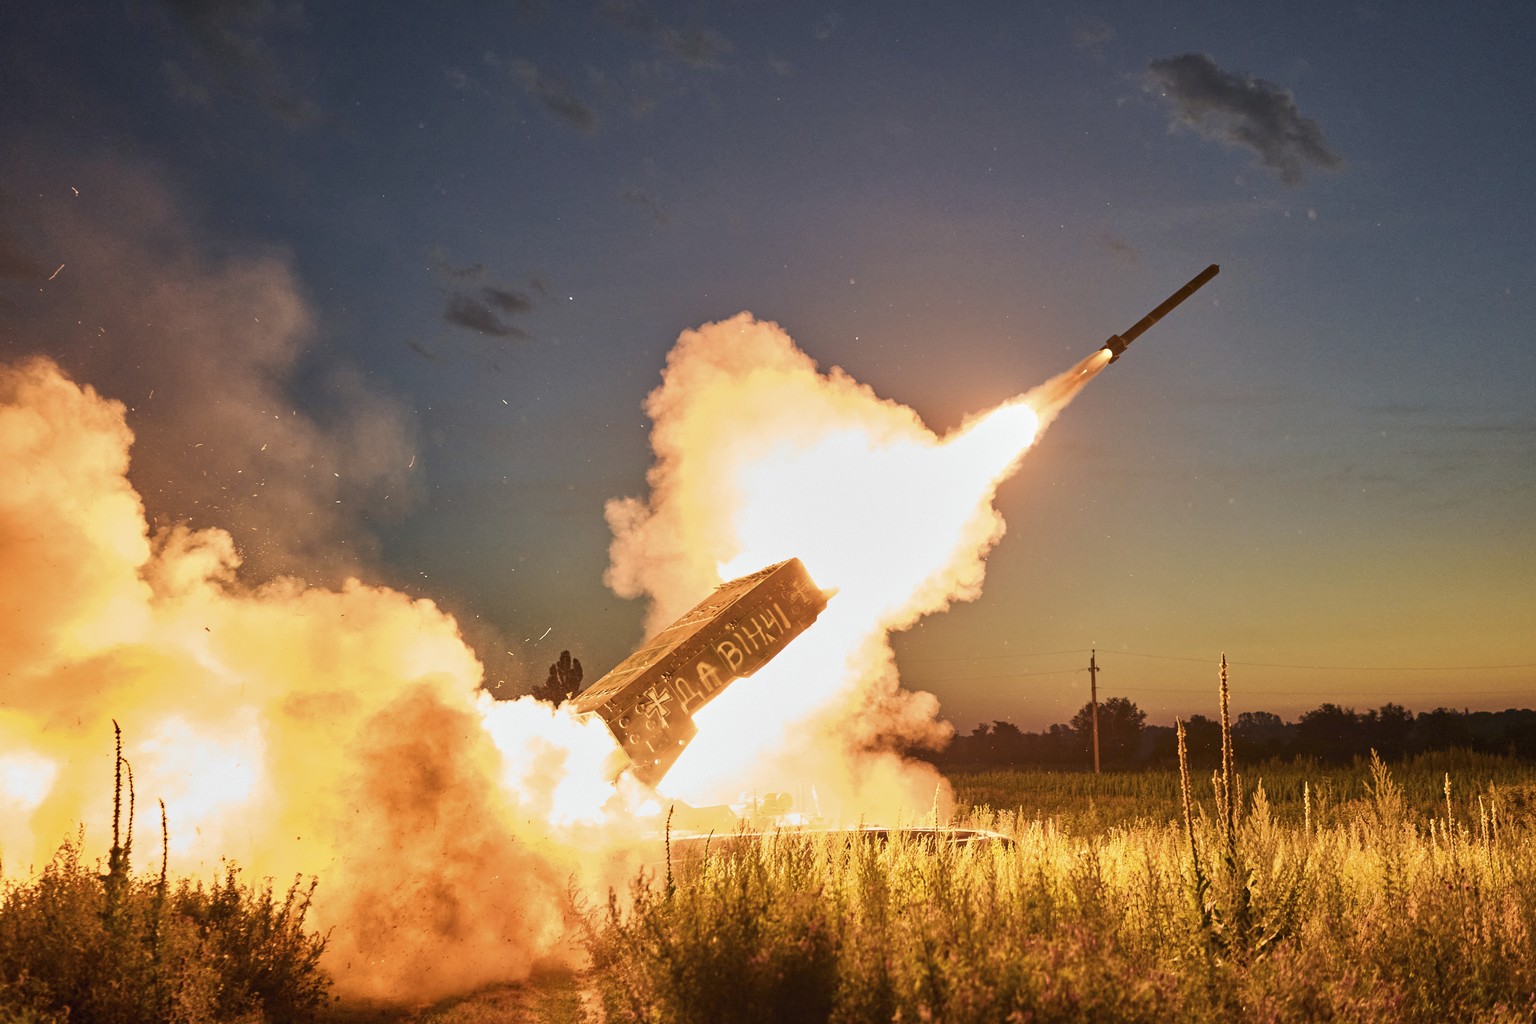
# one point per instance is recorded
(759, 458)
(341, 732)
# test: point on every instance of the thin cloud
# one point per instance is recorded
(1120, 247)
(223, 30)
(473, 311)
(506, 300)
(230, 36)
(581, 102)
(441, 264)
(472, 302)
(1244, 111)
(183, 86)
(1093, 34)
(697, 48)
(643, 200)
(555, 95)
(827, 26)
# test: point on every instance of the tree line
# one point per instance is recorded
(1328, 733)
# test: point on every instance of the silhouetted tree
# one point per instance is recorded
(1120, 723)
(1331, 733)
(1520, 732)
(1441, 729)
(1259, 734)
(564, 680)
(1202, 740)
(1006, 743)
(1387, 730)
(1058, 745)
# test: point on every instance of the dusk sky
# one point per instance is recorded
(415, 268)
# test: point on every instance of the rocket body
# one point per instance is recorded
(1117, 343)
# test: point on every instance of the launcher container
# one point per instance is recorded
(648, 701)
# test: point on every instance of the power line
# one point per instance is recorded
(1244, 692)
(1196, 691)
(1337, 668)
(1006, 675)
(1238, 664)
(931, 681)
(991, 657)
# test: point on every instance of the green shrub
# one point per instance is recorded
(93, 948)
(189, 953)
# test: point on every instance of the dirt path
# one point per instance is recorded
(551, 999)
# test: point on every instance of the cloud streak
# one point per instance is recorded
(643, 200)
(1243, 111)
(230, 38)
(479, 311)
(1093, 35)
(556, 96)
(476, 304)
(697, 48)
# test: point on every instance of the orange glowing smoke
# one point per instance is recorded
(342, 733)
(761, 457)
(292, 729)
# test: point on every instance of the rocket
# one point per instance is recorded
(1117, 343)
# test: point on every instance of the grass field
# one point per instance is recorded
(1352, 896)
(1357, 894)
(1087, 803)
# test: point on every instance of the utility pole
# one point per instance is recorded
(1093, 689)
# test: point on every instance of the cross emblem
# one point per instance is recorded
(654, 704)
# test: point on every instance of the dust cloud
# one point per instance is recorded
(209, 345)
(290, 728)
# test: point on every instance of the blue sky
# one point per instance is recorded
(482, 226)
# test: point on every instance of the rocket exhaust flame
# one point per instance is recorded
(342, 733)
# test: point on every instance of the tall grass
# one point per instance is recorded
(79, 945)
(1214, 906)
(1368, 920)
(1091, 803)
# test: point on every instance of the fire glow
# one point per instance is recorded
(342, 733)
